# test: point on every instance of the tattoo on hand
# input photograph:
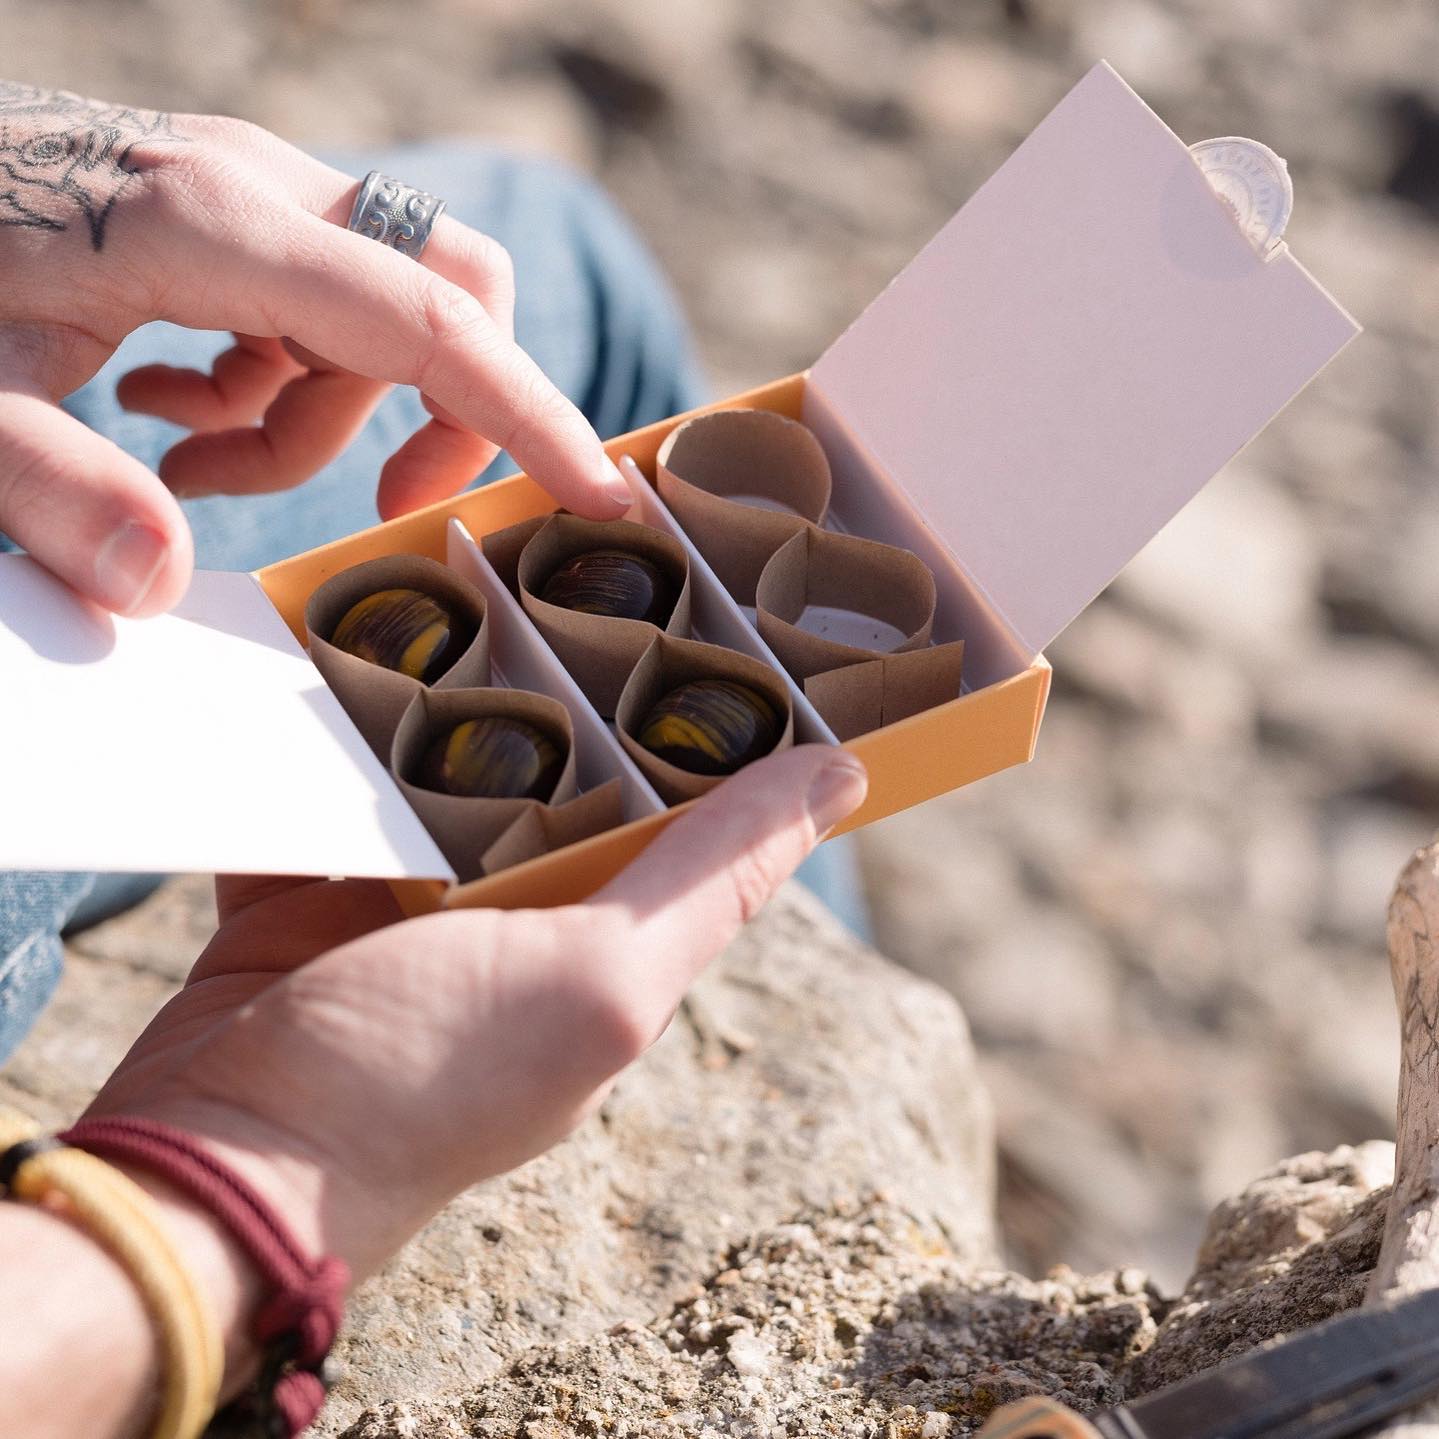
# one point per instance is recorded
(64, 158)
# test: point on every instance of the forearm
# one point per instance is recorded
(78, 1353)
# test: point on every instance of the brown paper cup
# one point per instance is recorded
(503, 548)
(372, 696)
(598, 650)
(670, 662)
(465, 828)
(849, 574)
(720, 473)
(550, 827)
(876, 692)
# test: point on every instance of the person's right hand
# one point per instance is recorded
(112, 217)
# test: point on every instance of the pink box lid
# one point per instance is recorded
(1075, 353)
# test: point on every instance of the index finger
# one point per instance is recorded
(376, 312)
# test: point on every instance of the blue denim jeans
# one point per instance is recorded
(593, 310)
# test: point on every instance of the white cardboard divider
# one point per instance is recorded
(200, 741)
(714, 616)
(521, 660)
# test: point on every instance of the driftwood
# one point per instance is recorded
(1409, 1254)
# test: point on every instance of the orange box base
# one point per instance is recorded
(911, 761)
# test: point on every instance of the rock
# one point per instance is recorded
(1043, 984)
(1236, 567)
(855, 1319)
(1294, 1248)
(850, 1077)
(1272, 698)
(848, 1320)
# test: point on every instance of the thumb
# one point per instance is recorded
(87, 511)
(688, 894)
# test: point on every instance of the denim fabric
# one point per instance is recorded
(595, 313)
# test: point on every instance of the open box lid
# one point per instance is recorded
(1107, 339)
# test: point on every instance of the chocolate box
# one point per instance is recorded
(1068, 361)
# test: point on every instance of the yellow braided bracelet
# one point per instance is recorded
(122, 1217)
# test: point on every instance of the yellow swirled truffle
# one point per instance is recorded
(710, 727)
(403, 630)
(494, 758)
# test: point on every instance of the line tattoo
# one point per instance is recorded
(65, 159)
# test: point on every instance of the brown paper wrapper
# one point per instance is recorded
(375, 698)
(503, 549)
(843, 571)
(466, 829)
(549, 827)
(854, 688)
(706, 463)
(670, 662)
(873, 693)
(599, 651)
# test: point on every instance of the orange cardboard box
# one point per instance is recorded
(973, 735)
(1059, 371)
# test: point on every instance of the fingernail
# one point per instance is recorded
(126, 565)
(836, 791)
(614, 483)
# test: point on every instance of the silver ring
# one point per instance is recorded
(395, 214)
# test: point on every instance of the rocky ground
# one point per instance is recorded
(1241, 749)
(842, 1279)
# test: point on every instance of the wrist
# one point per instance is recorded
(277, 1301)
(224, 1274)
(328, 1207)
(78, 1352)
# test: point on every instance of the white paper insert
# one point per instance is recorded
(203, 740)
(1069, 360)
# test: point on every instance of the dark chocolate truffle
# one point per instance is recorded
(404, 630)
(493, 758)
(711, 727)
(615, 583)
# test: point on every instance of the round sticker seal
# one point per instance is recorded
(1253, 182)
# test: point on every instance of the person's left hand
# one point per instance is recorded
(361, 1075)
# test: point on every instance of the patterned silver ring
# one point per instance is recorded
(395, 214)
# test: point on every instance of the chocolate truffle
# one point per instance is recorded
(493, 758)
(711, 727)
(404, 630)
(614, 583)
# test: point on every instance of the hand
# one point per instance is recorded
(113, 217)
(360, 1086)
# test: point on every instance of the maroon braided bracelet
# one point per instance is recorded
(297, 1324)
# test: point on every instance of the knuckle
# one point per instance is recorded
(753, 877)
(25, 478)
(452, 323)
(618, 1028)
(538, 411)
(232, 132)
(30, 478)
(190, 184)
(616, 1025)
(489, 263)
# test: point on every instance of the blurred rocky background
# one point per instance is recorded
(1166, 931)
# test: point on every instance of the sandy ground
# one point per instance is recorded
(1241, 748)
